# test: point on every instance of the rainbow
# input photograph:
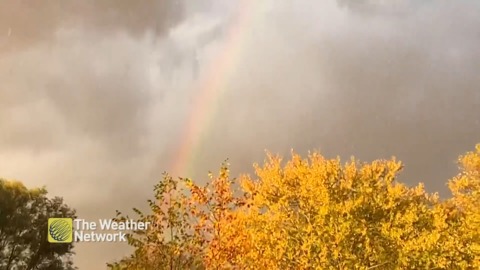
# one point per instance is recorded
(212, 86)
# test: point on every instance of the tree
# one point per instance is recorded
(186, 220)
(24, 217)
(319, 214)
(312, 213)
(461, 214)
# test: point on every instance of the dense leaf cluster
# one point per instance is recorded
(312, 213)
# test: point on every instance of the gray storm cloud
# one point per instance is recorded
(94, 94)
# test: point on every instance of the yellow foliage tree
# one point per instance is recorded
(312, 213)
(460, 215)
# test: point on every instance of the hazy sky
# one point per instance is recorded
(94, 94)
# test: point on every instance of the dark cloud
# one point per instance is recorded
(94, 95)
(28, 22)
(373, 86)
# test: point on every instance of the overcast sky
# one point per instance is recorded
(94, 94)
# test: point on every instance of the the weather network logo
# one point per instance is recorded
(60, 230)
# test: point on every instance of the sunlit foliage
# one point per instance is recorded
(311, 213)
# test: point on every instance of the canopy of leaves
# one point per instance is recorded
(311, 213)
(24, 217)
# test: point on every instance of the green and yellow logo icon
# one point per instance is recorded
(60, 230)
